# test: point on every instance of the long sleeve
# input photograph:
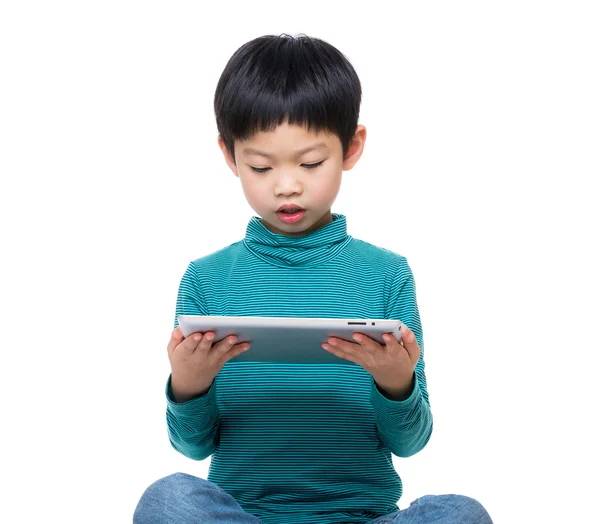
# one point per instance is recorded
(193, 426)
(405, 426)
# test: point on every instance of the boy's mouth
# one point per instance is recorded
(289, 208)
(290, 215)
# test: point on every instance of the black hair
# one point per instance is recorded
(303, 79)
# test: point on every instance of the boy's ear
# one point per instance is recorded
(356, 147)
(228, 158)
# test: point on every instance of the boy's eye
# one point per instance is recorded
(265, 169)
(312, 166)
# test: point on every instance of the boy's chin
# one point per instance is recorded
(298, 229)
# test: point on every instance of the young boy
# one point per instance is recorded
(296, 443)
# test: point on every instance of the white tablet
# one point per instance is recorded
(285, 339)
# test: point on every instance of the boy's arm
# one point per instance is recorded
(193, 426)
(405, 426)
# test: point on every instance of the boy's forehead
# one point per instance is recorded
(320, 146)
(292, 139)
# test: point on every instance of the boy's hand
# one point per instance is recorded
(392, 366)
(195, 362)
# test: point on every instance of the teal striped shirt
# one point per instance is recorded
(302, 443)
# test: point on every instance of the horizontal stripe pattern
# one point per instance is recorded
(302, 443)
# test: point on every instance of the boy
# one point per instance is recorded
(296, 443)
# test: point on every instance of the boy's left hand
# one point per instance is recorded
(392, 365)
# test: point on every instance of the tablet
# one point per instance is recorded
(285, 339)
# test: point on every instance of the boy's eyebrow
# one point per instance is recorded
(257, 152)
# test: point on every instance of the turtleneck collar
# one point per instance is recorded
(310, 250)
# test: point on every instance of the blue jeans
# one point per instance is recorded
(184, 499)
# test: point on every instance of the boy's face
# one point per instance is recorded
(291, 165)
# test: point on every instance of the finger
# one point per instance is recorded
(176, 339)
(226, 344)
(338, 352)
(391, 341)
(410, 343)
(236, 350)
(205, 342)
(190, 344)
(367, 343)
(228, 348)
(336, 343)
(347, 348)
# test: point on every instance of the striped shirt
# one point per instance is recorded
(302, 443)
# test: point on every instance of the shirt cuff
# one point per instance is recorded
(383, 404)
(207, 399)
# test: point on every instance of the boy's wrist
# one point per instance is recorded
(181, 392)
(397, 392)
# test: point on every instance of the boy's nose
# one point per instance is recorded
(288, 185)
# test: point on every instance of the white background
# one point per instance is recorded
(481, 167)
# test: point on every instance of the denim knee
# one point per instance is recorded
(464, 509)
(168, 492)
(474, 509)
(179, 484)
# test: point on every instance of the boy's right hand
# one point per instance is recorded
(195, 362)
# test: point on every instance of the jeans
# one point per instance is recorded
(184, 499)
